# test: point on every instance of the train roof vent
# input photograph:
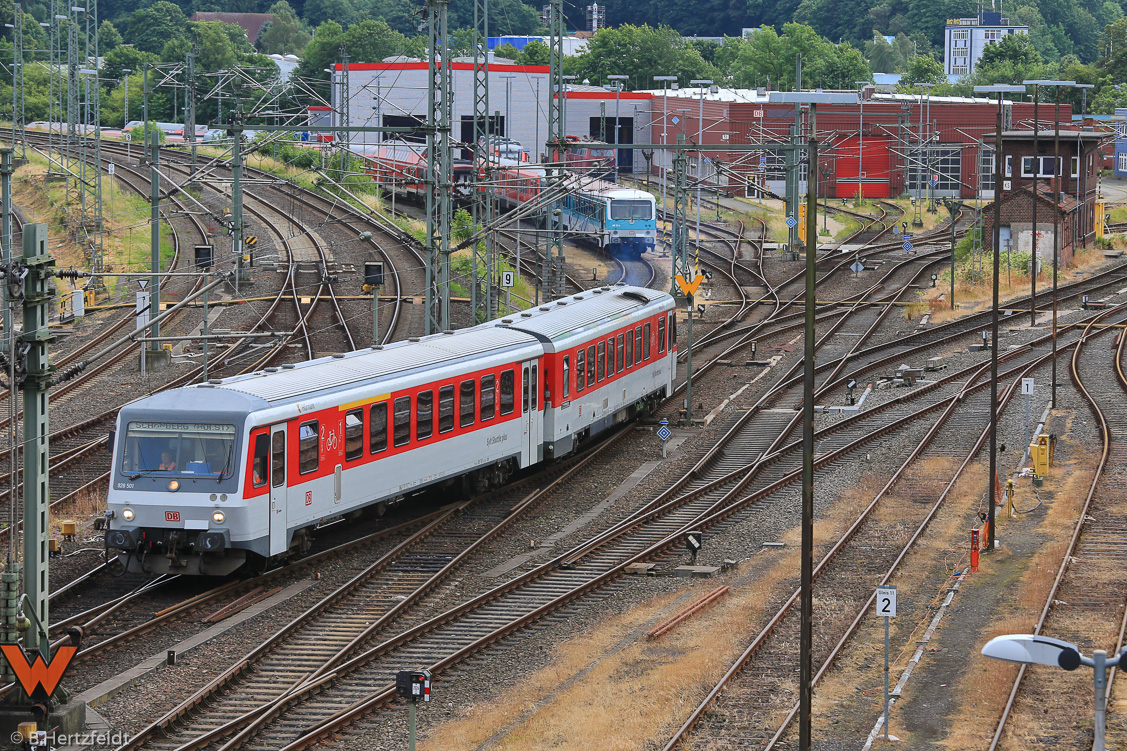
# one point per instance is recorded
(271, 370)
(448, 332)
(635, 295)
(506, 320)
(562, 302)
(338, 355)
(578, 297)
(377, 346)
(288, 366)
(413, 339)
(597, 291)
(526, 314)
(545, 308)
(215, 381)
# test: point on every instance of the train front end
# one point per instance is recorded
(631, 223)
(175, 503)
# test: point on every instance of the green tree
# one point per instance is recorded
(534, 53)
(882, 56)
(842, 69)
(640, 52)
(284, 34)
(922, 69)
(148, 29)
(217, 52)
(1015, 49)
(120, 59)
(506, 51)
(321, 52)
(372, 41)
(108, 38)
(341, 11)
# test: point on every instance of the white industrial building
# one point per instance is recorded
(394, 94)
(964, 40)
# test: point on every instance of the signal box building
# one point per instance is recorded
(1073, 210)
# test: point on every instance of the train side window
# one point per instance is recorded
(445, 409)
(424, 415)
(672, 331)
(591, 366)
(610, 357)
(308, 447)
(638, 346)
(261, 456)
(278, 460)
(508, 391)
(629, 349)
(377, 435)
(467, 398)
(580, 370)
(534, 387)
(402, 421)
(566, 377)
(353, 434)
(661, 334)
(619, 355)
(646, 342)
(525, 382)
(602, 361)
(487, 395)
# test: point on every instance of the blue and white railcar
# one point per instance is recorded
(622, 221)
(207, 477)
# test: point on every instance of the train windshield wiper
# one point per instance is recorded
(227, 462)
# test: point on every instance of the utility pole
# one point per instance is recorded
(17, 83)
(34, 338)
(6, 229)
(557, 140)
(237, 193)
(481, 298)
(681, 266)
(344, 118)
(439, 88)
(190, 114)
(154, 237)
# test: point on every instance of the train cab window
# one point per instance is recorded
(488, 389)
(619, 355)
(278, 459)
(591, 366)
(467, 399)
(525, 382)
(402, 421)
(638, 345)
(424, 415)
(353, 434)
(261, 457)
(308, 447)
(661, 334)
(566, 391)
(377, 429)
(508, 391)
(629, 349)
(445, 409)
(580, 370)
(646, 342)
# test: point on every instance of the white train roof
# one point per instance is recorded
(579, 313)
(328, 373)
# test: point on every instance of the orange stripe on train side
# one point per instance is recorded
(362, 402)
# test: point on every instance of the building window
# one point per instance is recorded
(1122, 161)
(961, 34)
(944, 163)
(1044, 164)
(959, 70)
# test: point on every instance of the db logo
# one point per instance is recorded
(172, 516)
(309, 498)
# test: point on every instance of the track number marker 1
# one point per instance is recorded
(886, 608)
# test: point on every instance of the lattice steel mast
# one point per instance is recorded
(438, 169)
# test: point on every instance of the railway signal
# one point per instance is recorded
(412, 685)
(664, 433)
(693, 541)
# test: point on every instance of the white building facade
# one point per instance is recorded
(964, 40)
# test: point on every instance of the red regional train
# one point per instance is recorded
(242, 470)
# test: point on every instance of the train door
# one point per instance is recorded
(530, 385)
(278, 533)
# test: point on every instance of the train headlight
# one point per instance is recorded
(127, 514)
(218, 517)
(173, 485)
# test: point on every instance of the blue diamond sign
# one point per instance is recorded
(934, 180)
(791, 221)
(895, 230)
(908, 245)
(663, 433)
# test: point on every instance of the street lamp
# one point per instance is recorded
(618, 79)
(1031, 649)
(1084, 101)
(806, 591)
(664, 126)
(861, 142)
(921, 161)
(1000, 89)
(509, 106)
(953, 205)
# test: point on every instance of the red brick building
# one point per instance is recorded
(1073, 210)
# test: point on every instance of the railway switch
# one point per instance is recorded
(413, 684)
